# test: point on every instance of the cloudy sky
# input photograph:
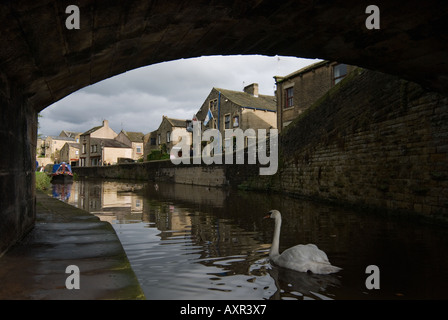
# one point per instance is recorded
(137, 100)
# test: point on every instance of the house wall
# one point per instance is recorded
(308, 87)
(84, 150)
(258, 119)
(248, 118)
(68, 153)
(137, 155)
(148, 148)
(175, 133)
(53, 147)
(104, 132)
(111, 155)
(124, 139)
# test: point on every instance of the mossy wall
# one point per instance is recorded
(373, 140)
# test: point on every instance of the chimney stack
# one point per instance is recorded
(252, 89)
(105, 123)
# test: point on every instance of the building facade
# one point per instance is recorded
(53, 145)
(168, 134)
(243, 110)
(90, 153)
(297, 91)
(134, 140)
(70, 153)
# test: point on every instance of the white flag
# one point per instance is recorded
(208, 117)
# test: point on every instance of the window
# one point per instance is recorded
(168, 137)
(227, 121)
(289, 95)
(215, 124)
(159, 139)
(339, 72)
(236, 121)
(139, 149)
(213, 104)
(76, 152)
(153, 141)
(84, 148)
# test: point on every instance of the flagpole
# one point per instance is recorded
(219, 122)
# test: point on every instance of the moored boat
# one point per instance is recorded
(61, 173)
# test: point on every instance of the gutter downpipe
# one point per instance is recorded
(219, 120)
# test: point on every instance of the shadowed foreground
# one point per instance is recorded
(34, 269)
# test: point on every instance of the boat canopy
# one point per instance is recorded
(58, 165)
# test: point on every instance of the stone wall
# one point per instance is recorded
(18, 133)
(163, 170)
(375, 141)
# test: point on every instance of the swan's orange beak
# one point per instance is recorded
(267, 216)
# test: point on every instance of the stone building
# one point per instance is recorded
(134, 140)
(108, 151)
(168, 134)
(245, 109)
(150, 143)
(52, 146)
(297, 91)
(90, 153)
(70, 153)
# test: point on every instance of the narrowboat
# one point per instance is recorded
(61, 173)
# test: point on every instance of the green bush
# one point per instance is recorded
(157, 155)
(42, 181)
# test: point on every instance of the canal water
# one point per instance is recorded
(193, 242)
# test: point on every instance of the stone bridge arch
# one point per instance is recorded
(41, 61)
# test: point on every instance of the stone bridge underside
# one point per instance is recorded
(41, 61)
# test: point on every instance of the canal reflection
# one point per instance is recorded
(192, 242)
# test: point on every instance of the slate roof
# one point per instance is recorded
(110, 143)
(74, 145)
(302, 71)
(91, 130)
(62, 138)
(134, 136)
(245, 99)
(177, 122)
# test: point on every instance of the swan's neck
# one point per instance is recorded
(276, 240)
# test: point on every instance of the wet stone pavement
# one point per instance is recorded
(35, 268)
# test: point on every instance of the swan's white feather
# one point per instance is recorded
(301, 257)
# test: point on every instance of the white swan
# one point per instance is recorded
(301, 258)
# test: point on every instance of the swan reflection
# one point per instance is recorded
(302, 284)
